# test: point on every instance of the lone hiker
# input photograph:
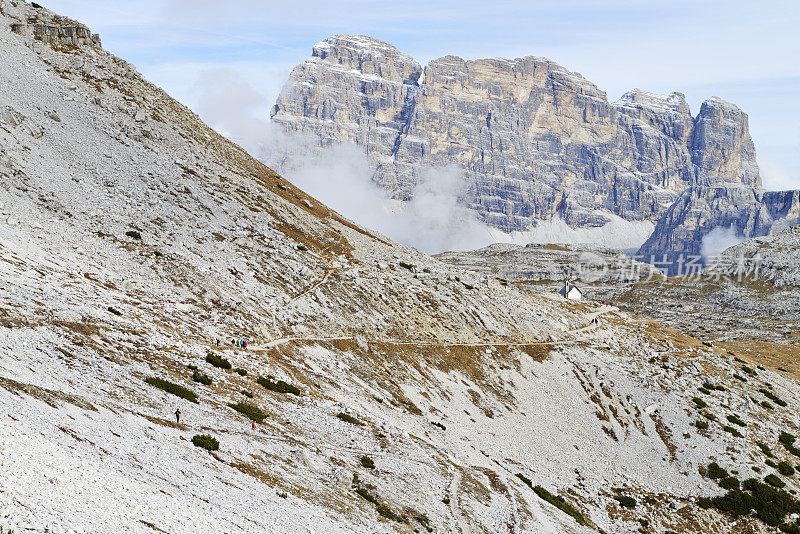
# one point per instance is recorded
(177, 415)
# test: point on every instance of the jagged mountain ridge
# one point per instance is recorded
(132, 235)
(536, 140)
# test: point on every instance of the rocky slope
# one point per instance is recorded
(535, 140)
(133, 236)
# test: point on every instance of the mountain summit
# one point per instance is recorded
(535, 141)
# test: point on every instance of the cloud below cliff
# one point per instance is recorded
(717, 240)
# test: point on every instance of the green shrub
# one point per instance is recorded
(767, 405)
(206, 442)
(702, 425)
(133, 234)
(115, 311)
(175, 389)
(423, 520)
(218, 361)
(765, 449)
(367, 462)
(782, 369)
(247, 394)
(788, 442)
(279, 387)
(749, 370)
(739, 377)
(732, 431)
(384, 511)
(700, 403)
(774, 480)
(525, 479)
(348, 419)
(405, 265)
(715, 471)
(302, 248)
(704, 391)
(252, 412)
(241, 372)
(756, 469)
(197, 376)
(729, 483)
(559, 502)
(786, 469)
(710, 416)
(771, 396)
(625, 500)
(157, 253)
(733, 418)
(192, 367)
(704, 503)
(440, 425)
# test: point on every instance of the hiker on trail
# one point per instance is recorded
(178, 415)
(244, 345)
(218, 342)
(254, 426)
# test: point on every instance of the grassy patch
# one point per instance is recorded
(278, 386)
(175, 389)
(348, 419)
(204, 441)
(218, 361)
(559, 502)
(197, 376)
(254, 413)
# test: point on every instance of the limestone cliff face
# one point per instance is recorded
(745, 211)
(535, 140)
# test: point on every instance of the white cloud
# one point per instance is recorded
(718, 240)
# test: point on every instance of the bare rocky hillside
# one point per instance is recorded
(390, 392)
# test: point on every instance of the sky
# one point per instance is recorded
(742, 51)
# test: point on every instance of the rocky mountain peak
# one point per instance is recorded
(535, 141)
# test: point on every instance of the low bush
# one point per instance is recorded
(704, 391)
(774, 398)
(405, 265)
(175, 389)
(787, 440)
(710, 416)
(525, 479)
(205, 441)
(771, 463)
(241, 372)
(440, 425)
(765, 449)
(700, 403)
(115, 311)
(192, 367)
(774, 480)
(739, 377)
(559, 502)
(749, 370)
(702, 425)
(715, 471)
(732, 431)
(302, 248)
(197, 376)
(733, 418)
(254, 413)
(367, 462)
(247, 394)
(729, 483)
(133, 234)
(767, 405)
(625, 500)
(705, 503)
(348, 419)
(218, 361)
(278, 386)
(713, 387)
(786, 469)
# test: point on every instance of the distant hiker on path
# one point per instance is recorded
(178, 415)
(254, 426)
(244, 345)
(218, 342)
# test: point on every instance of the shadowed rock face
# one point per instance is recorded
(535, 140)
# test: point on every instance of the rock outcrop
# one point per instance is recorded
(48, 27)
(676, 244)
(535, 140)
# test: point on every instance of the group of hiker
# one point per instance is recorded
(238, 343)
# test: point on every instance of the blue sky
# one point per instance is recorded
(743, 51)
